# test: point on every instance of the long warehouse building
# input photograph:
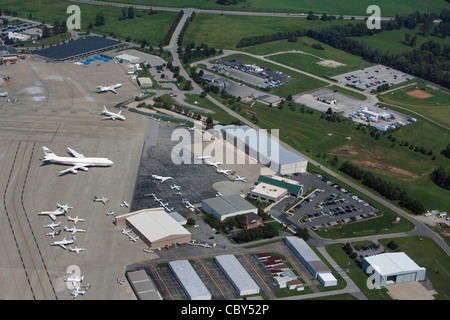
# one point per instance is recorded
(189, 280)
(311, 261)
(238, 276)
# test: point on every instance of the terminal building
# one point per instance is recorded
(264, 148)
(155, 227)
(392, 267)
(311, 261)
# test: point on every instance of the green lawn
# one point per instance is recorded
(350, 7)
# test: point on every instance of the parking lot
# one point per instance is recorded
(326, 205)
(370, 78)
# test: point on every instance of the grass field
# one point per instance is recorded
(436, 107)
(350, 7)
(152, 28)
(298, 84)
(227, 30)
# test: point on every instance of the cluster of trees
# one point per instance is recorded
(172, 28)
(262, 232)
(183, 31)
(441, 177)
(127, 13)
(385, 188)
(383, 87)
(348, 249)
(446, 151)
(192, 53)
(99, 19)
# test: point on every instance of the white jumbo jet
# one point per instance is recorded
(75, 220)
(225, 172)
(53, 225)
(214, 164)
(78, 161)
(53, 214)
(76, 249)
(112, 115)
(63, 242)
(175, 187)
(109, 88)
(162, 179)
(73, 230)
(244, 179)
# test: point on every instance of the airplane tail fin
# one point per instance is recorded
(48, 153)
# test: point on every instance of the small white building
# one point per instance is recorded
(127, 58)
(266, 192)
(189, 280)
(392, 267)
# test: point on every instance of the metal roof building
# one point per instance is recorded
(265, 148)
(311, 261)
(238, 276)
(227, 206)
(189, 280)
(143, 286)
(155, 227)
(293, 187)
(391, 267)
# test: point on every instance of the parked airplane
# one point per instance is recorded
(214, 164)
(111, 213)
(133, 239)
(4, 94)
(218, 194)
(53, 225)
(53, 233)
(109, 88)
(76, 249)
(78, 161)
(74, 280)
(75, 220)
(178, 193)
(237, 178)
(203, 157)
(225, 172)
(63, 242)
(53, 214)
(120, 281)
(65, 207)
(162, 179)
(175, 187)
(101, 199)
(73, 230)
(77, 291)
(126, 232)
(111, 115)
(124, 204)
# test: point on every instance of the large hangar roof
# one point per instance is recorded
(190, 280)
(156, 224)
(229, 204)
(392, 263)
(236, 272)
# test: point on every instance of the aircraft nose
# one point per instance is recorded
(110, 162)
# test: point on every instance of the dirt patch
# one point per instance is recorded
(345, 151)
(410, 291)
(330, 63)
(385, 167)
(419, 94)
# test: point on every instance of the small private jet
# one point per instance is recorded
(73, 230)
(120, 281)
(160, 178)
(101, 199)
(225, 172)
(237, 178)
(111, 115)
(65, 207)
(75, 220)
(127, 232)
(203, 157)
(53, 225)
(111, 213)
(125, 204)
(53, 214)
(78, 291)
(109, 88)
(214, 164)
(53, 233)
(78, 161)
(134, 239)
(175, 187)
(63, 242)
(76, 249)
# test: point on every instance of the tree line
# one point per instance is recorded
(385, 188)
(441, 177)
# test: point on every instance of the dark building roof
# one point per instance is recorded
(77, 48)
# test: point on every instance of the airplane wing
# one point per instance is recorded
(73, 169)
(75, 154)
(113, 90)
